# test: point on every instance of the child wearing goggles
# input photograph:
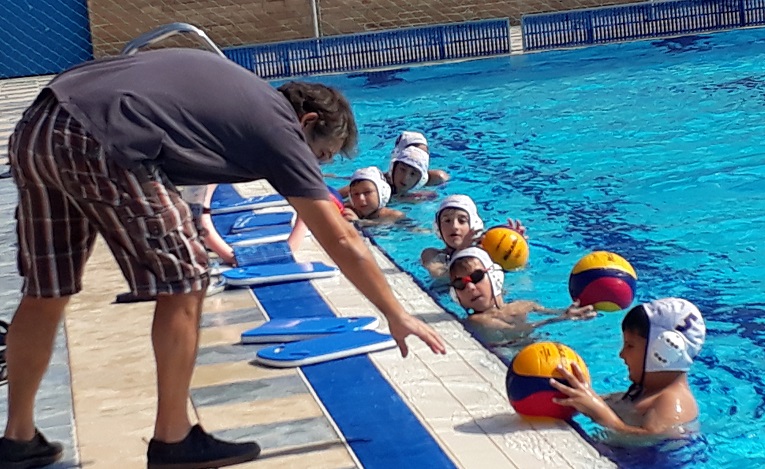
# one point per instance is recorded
(475, 282)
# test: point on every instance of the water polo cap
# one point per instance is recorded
(408, 139)
(414, 157)
(461, 202)
(675, 335)
(377, 178)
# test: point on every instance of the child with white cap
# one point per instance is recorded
(409, 166)
(369, 195)
(661, 340)
(476, 284)
(458, 224)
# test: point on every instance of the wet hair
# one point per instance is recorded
(335, 115)
(636, 321)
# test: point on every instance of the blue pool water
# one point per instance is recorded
(654, 150)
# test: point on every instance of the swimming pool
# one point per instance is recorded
(653, 150)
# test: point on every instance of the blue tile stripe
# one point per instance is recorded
(377, 424)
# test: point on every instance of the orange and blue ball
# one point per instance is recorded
(528, 379)
(604, 280)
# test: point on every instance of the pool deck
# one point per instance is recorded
(99, 394)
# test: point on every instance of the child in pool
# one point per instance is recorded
(476, 284)
(458, 224)
(661, 339)
(409, 166)
(369, 195)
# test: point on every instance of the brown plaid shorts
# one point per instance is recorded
(69, 191)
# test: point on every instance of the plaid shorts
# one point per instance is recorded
(69, 191)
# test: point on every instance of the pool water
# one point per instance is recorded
(654, 150)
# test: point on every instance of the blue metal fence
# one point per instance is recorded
(637, 21)
(375, 49)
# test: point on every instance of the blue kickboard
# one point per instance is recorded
(231, 204)
(278, 273)
(269, 253)
(260, 235)
(251, 221)
(322, 349)
(291, 330)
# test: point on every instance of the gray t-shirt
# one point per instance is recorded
(202, 118)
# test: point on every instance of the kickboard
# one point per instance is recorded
(277, 273)
(260, 235)
(291, 330)
(223, 205)
(322, 349)
(251, 221)
(278, 252)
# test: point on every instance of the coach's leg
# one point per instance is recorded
(174, 335)
(29, 348)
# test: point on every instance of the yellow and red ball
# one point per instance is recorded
(604, 280)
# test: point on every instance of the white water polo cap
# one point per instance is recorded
(494, 271)
(675, 335)
(408, 139)
(459, 202)
(376, 177)
(414, 157)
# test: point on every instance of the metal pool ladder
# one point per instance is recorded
(163, 32)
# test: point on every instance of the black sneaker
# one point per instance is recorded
(199, 450)
(27, 454)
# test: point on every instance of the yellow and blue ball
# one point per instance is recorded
(604, 280)
(528, 379)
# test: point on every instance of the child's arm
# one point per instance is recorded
(297, 235)
(345, 191)
(431, 260)
(574, 311)
(436, 177)
(659, 418)
(201, 196)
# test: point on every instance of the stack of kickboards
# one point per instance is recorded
(257, 228)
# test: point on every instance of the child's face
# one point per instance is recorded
(405, 177)
(365, 198)
(455, 226)
(633, 354)
(476, 296)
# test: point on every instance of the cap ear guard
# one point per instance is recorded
(667, 351)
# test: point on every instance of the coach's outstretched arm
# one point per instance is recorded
(344, 245)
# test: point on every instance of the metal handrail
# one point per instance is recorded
(163, 32)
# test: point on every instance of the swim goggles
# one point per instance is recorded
(460, 283)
